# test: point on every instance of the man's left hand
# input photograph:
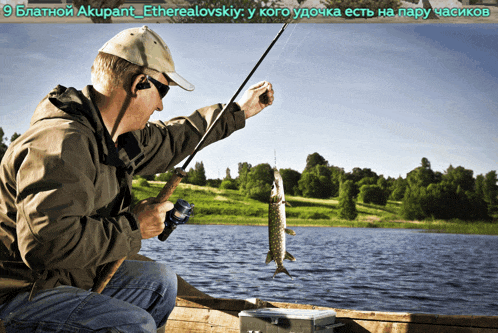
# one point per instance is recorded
(151, 215)
(250, 101)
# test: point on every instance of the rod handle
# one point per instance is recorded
(164, 195)
(111, 268)
(171, 185)
(166, 232)
(106, 275)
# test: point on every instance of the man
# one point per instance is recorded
(65, 193)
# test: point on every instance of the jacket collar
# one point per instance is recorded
(128, 153)
(79, 105)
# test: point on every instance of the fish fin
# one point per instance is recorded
(269, 258)
(282, 269)
(290, 232)
(289, 256)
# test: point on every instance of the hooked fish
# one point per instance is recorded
(277, 226)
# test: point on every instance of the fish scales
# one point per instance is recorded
(277, 227)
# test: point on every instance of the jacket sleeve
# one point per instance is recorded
(56, 223)
(167, 143)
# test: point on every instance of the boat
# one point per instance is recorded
(196, 311)
(216, 315)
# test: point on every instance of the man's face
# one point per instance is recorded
(144, 104)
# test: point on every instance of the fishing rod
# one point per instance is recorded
(180, 213)
(182, 209)
(263, 97)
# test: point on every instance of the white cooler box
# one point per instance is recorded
(275, 320)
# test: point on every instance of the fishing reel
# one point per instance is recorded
(180, 214)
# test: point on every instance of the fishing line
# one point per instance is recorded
(280, 53)
(268, 74)
(288, 39)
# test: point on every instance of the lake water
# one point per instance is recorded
(364, 269)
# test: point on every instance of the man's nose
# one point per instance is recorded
(160, 105)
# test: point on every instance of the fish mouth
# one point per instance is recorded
(274, 190)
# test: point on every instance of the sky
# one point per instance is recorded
(378, 96)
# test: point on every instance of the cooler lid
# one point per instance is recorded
(288, 313)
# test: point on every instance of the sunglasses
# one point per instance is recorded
(161, 88)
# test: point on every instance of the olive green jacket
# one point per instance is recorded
(65, 190)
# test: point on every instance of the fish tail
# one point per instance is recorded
(282, 269)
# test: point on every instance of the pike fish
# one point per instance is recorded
(277, 226)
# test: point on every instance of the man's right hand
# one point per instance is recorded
(151, 216)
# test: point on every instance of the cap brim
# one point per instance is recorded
(180, 81)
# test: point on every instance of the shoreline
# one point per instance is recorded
(229, 207)
(436, 227)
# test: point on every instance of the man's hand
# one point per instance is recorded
(151, 216)
(250, 101)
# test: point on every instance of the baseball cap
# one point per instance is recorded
(144, 47)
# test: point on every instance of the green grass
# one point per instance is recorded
(215, 206)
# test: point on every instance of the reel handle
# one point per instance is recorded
(263, 98)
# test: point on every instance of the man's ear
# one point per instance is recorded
(140, 82)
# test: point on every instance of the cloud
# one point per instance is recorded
(4, 39)
(35, 56)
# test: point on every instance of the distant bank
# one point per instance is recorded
(217, 206)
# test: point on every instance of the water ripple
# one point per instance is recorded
(363, 269)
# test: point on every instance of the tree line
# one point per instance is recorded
(424, 193)
(3, 142)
